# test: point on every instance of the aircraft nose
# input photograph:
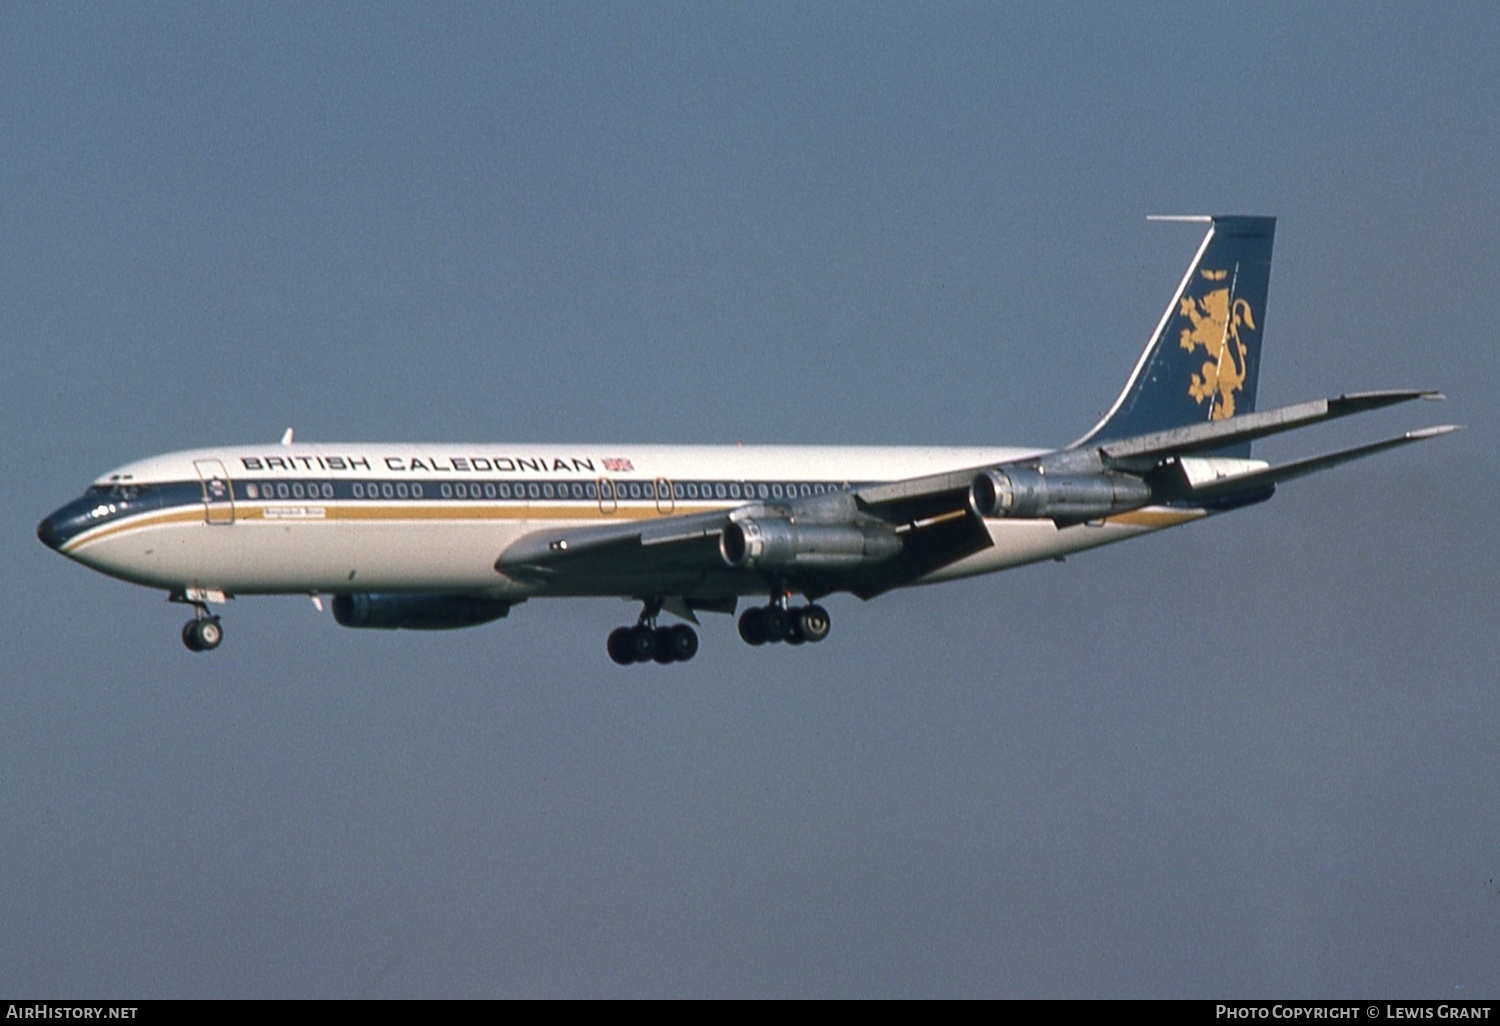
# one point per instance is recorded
(49, 534)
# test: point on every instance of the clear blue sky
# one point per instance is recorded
(1254, 757)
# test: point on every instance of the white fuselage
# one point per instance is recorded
(373, 518)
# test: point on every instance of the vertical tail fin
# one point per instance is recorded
(1203, 362)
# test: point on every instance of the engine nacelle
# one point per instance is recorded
(416, 611)
(782, 544)
(1029, 494)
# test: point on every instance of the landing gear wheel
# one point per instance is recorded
(642, 643)
(662, 653)
(775, 623)
(621, 646)
(202, 635)
(813, 623)
(753, 626)
(681, 642)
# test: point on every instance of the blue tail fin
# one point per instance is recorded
(1204, 360)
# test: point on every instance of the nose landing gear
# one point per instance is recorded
(204, 632)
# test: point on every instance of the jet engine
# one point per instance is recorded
(1027, 493)
(417, 611)
(779, 543)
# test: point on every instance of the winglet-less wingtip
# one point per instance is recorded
(1388, 396)
(1433, 432)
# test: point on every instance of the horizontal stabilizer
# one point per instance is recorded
(1140, 452)
(1258, 480)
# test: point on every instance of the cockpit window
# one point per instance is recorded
(119, 492)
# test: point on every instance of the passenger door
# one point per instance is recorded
(218, 492)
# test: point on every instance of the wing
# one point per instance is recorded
(879, 537)
(815, 545)
(673, 555)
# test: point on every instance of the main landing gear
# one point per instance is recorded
(776, 621)
(779, 621)
(646, 642)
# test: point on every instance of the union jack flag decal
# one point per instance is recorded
(617, 466)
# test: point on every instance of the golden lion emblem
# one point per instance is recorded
(1216, 327)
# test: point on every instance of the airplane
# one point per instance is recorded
(444, 535)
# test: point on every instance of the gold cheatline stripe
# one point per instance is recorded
(427, 511)
(181, 514)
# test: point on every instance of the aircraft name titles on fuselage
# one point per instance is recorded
(430, 464)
